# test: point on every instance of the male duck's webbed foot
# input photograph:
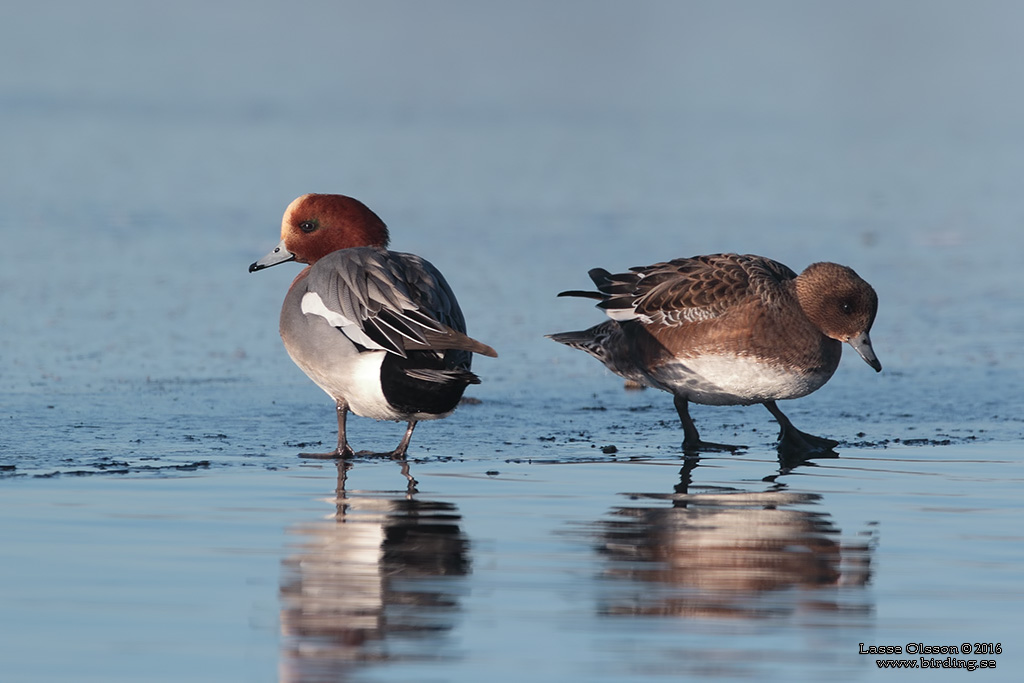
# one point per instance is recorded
(340, 453)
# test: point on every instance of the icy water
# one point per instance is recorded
(155, 523)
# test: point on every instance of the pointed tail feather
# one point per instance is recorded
(600, 276)
(608, 285)
(577, 340)
(583, 294)
(449, 339)
(452, 375)
(606, 343)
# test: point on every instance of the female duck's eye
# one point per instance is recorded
(307, 226)
(846, 307)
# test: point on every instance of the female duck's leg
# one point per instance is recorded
(691, 439)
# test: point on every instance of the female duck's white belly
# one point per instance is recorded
(735, 379)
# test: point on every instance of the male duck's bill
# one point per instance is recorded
(279, 255)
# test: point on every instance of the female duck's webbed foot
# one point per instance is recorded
(794, 440)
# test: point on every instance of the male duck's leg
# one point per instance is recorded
(404, 445)
(343, 450)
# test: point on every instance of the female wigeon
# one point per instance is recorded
(727, 329)
(378, 330)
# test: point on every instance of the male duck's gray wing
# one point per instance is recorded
(388, 301)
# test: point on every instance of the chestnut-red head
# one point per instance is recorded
(315, 225)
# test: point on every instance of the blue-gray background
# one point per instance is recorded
(149, 149)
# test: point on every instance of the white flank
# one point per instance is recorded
(621, 314)
(364, 394)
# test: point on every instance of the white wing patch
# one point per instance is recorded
(312, 304)
(622, 314)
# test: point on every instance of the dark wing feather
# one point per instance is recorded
(396, 301)
(687, 290)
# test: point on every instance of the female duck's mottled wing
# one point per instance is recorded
(389, 301)
(689, 290)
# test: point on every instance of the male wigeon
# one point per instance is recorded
(380, 331)
(727, 329)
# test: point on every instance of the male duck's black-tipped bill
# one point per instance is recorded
(278, 255)
(862, 345)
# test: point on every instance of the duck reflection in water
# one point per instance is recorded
(727, 553)
(378, 580)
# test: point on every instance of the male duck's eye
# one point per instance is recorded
(307, 226)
